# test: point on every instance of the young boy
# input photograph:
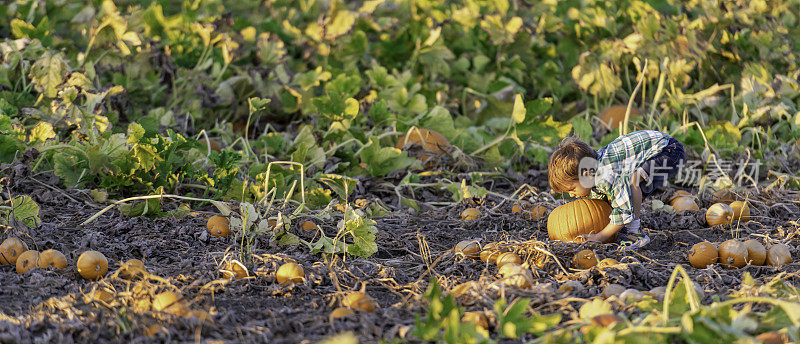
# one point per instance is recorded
(623, 173)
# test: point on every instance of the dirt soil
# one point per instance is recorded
(58, 306)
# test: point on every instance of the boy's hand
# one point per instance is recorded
(599, 237)
(603, 235)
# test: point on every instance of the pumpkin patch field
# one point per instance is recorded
(328, 171)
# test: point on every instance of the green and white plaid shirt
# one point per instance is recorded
(616, 165)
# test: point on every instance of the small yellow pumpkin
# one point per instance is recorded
(741, 211)
(719, 214)
(703, 254)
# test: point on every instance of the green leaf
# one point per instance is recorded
(518, 113)
(258, 105)
(25, 209)
(327, 245)
(583, 128)
(723, 135)
(382, 160)
(289, 239)
(548, 132)
(362, 231)
(342, 185)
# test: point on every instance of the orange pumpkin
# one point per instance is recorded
(703, 254)
(585, 259)
(719, 214)
(433, 144)
(529, 211)
(614, 115)
(741, 211)
(10, 250)
(52, 259)
(732, 254)
(756, 252)
(778, 255)
(684, 203)
(584, 216)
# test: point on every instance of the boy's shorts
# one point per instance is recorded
(662, 167)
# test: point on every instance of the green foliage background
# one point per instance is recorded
(117, 93)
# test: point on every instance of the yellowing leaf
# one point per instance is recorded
(351, 107)
(25, 209)
(341, 23)
(43, 131)
(48, 72)
(518, 113)
(514, 25)
(433, 36)
(594, 308)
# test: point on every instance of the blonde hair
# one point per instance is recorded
(562, 170)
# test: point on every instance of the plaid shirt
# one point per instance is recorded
(616, 165)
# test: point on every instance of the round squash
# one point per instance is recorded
(756, 253)
(703, 254)
(290, 273)
(131, 269)
(433, 144)
(218, 226)
(490, 252)
(468, 248)
(585, 259)
(584, 216)
(52, 259)
(607, 263)
(508, 257)
(778, 255)
(684, 203)
(741, 211)
(309, 226)
(719, 214)
(10, 249)
(510, 269)
(680, 193)
(521, 279)
(359, 301)
(613, 289)
(170, 302)
(27, 260)
(340, 312)
(529, 211)
(470, 214)
(615, 114)
(732, 254)
(92, 265)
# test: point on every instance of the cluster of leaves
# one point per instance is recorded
(443, 321)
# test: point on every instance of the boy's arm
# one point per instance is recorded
(627, 204)
(605, 234)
